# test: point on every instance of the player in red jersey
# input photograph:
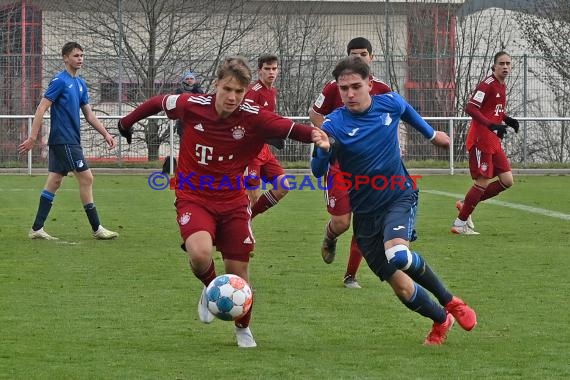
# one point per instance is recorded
(338, 204)
(265, 166)
(487, 159)
(221, 135)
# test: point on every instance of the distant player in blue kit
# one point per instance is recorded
(363, 137)
(66, 96)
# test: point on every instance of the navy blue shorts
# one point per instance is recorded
(66, 158)
(371, 231)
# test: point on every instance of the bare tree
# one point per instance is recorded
(545, 27)
(143, 47)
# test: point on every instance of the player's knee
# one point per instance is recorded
(401, 257)
(340, 223)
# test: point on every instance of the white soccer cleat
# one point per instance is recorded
(463, 229)
(244, 338)
(459, 206)
(351, 283)
(40, 234)
(204, 313)
(104, 234)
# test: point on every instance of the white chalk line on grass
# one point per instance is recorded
(516, 206)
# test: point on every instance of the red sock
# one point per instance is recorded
(264, 203)
(244, 321)
(493, 189)
(354, 258)
(207, 276)
(472, 197)
(329, 231)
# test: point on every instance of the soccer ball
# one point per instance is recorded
(229, 297)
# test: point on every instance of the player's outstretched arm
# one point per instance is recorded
(148, 108)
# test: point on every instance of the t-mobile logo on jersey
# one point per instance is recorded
(205, 154)
(499, 109)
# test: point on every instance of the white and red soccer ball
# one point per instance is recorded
(229, 297)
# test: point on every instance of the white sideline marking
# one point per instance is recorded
(516, 206)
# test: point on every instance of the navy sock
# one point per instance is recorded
(91, 212)
(46, 200)
(421, 273)
(422, 304)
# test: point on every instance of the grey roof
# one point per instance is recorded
(528, 6)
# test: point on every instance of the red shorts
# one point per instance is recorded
(265, 166)
(488, 165)
(338, 202)
(228, 225)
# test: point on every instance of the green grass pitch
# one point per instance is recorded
(126, 309)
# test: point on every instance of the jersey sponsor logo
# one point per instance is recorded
(479, 96)
(484, 167)
(238, 132)
(320, 100)
(353, 132)
(171, 102)
(498, 110)
(184, 218)
(199, 127)
(248, 107)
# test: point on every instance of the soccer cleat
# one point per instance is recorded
(203, 312)
(328, 250)
(244, 338)
(40, 234)
(104, 234)
(351, 283)
(459, 206)
(463, 230)
(439, 331)
(462, 313)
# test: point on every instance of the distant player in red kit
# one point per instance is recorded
(338, 204)
(487, 159)
(221, 136)
(265, 166)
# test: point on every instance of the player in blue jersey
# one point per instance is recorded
(66, 96)
(363, 137)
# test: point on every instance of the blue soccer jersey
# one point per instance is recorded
(367, 148)
(67, 94)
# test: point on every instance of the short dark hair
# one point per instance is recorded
(68, 48)
(352, 64)
(266, 58)
(359, 43)
(499, 55)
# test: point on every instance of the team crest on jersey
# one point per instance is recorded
(238, 132)
(332, 202)
(184, 218)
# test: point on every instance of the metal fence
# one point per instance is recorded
(541, 142)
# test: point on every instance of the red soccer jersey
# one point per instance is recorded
(329, 99)
(214, 152)
(490, 97)
(262, 95)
